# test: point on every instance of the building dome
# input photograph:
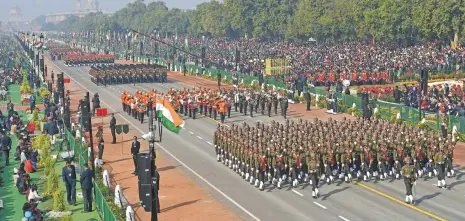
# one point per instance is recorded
(15, 11)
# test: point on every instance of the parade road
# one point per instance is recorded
(192, 148)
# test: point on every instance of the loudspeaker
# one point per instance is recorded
(238, 56)
(145, 166)
(37, 59)
(145, 196)
(42, 65)
(84, 114)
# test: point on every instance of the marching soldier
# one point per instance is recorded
(409, 180)
(439, 160)
(313, 169)
(193, 108)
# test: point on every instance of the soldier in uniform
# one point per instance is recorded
(409, 180)
(216, 139)
(193, 109)
(96, 103)
(252, 103)
(451, 142)
(313, 172)
(439, 160)
(142, 110)
(275, 99)
(222, 108)
(100, 142)
(268, 105)
(284, 105)
(245, 102)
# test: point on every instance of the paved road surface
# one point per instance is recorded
(192, 149)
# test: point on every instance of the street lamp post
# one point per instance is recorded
(41, 55)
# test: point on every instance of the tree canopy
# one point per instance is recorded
(394, 21)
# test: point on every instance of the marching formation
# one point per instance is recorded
(307, 151)
(88, 59)
(128, 74)
(213, 103)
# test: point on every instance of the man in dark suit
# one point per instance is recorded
(52, 128)
(113, 128)
(135, 148)
(69, 178)
(5, 146)
(86, 185)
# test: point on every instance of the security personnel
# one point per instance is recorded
(409, 179)
(113, 128)
(100, 141)
(96, 103)
(135, 148)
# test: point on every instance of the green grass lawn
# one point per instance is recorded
(14, 94)
(77, 213)
(13, 201)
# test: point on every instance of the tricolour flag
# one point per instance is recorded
(170, 119)
(38, 45)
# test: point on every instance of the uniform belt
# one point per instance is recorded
(313, 171)
(442, 162)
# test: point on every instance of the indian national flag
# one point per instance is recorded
(171, 120)
(186, 42)
(38, 45)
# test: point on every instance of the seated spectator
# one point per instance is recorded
(23, 156)
(28, 166)
(32, 194)
(34, 156)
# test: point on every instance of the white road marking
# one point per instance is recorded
(209, 143)
(200, 137)
(324, 207)
(191, 132)
(174, 157)
(296, 192)
(343, 218)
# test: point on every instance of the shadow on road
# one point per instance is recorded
(427, 197)
(326, 196)
(179, 205)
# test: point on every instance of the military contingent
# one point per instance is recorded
(88, 59)
(128, 74)
(216, 104)
(313, 151)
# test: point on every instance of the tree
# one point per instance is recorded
(392, 21)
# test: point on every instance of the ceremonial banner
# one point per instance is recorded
(171, 120)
